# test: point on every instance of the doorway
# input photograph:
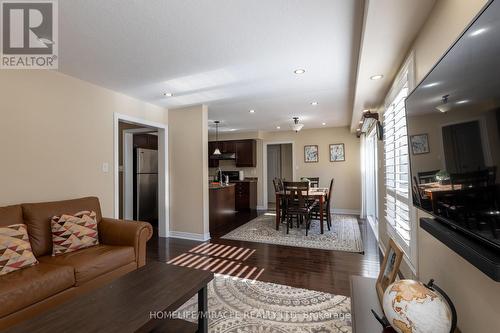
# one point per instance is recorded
(279, 165)
(141, 172)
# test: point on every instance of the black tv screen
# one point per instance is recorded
(454, 133)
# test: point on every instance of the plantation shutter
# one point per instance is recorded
(397, 164)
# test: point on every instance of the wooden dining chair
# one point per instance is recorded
(297, 204)
(278, 187)
(326, 206)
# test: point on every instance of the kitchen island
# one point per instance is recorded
(221, 206)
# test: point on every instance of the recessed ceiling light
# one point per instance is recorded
(377, 77)
(299, 71)
(277, 127)
(323, 124)
(314, 103)
(252, 111)
(478, 32)
(463, 101)
(430, 85)
(168, 94)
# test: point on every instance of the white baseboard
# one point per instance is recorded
(342, 211)
(190, 236)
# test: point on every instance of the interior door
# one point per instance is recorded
(273, 169)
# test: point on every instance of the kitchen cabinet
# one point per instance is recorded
(246, 153)
(246, 195)
(146, 141)
(245, 150)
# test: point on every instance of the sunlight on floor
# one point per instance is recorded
(219, 259)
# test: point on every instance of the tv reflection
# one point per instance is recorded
(454, 166)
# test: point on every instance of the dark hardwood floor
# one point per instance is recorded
(321, 270)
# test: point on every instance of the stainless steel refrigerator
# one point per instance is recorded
(146, 185)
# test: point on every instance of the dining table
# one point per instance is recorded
(317, 193)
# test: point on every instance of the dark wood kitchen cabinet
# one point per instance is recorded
(245, 150)
(246, 195)
(246, 153)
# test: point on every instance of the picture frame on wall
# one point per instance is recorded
(311, 154)
(420, 144)
(337, 152)
(390, 268)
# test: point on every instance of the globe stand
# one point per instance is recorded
(387, 328)
(432, 286)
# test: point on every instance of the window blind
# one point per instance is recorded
(397, 184)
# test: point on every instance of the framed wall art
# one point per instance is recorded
(419, 144)
(337, 152)
(311, 154)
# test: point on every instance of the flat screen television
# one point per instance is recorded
(454, 133)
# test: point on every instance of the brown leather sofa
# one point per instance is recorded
(29, 291)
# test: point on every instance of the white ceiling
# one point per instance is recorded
(389, 28)
(233, 55)
(237, 55)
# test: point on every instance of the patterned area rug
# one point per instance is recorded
(249, 306)
(343, 236)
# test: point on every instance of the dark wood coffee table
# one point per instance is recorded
(128, 304)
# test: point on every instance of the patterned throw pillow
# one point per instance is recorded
(74, 232)
(15, 249)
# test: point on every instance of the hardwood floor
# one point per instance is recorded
(321, 270)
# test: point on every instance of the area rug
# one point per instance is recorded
(249, 306)
(343, 236)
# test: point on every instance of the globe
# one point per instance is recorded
(411, 307)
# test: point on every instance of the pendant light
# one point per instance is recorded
(296, 126)
(216, 151)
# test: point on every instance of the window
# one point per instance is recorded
(397, 170)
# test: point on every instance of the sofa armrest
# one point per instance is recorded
(126, 233)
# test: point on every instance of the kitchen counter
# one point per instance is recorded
(222, 205)
(219, 186)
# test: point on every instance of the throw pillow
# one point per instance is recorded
(74, 232)
(15, 249)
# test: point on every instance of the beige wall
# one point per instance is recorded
(474, 294)
(55, 133)
(188, 151)
(347, 190)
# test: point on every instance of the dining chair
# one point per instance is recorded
(326, 206)
(297, 203)
(278, 187)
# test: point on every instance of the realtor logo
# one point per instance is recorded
(28, 34)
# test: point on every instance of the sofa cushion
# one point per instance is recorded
(15, 249)
(91, 262)
(73, 232)
(25, 287)
(11, 215)
(37, 217)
